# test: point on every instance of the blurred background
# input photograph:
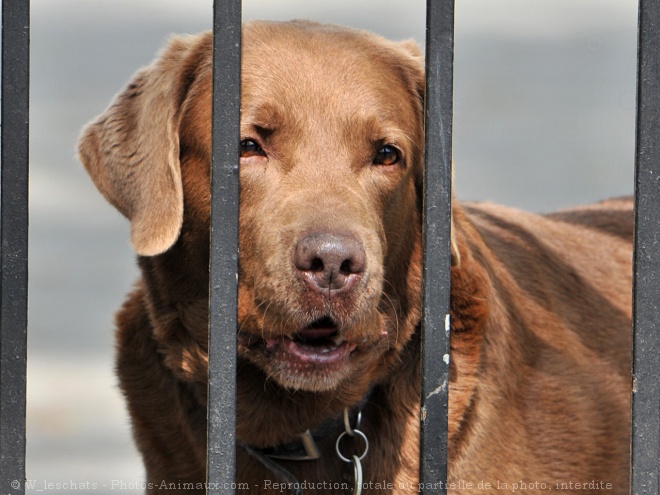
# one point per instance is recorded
(544, 118)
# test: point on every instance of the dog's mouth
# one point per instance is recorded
(317, 357)
(318, 344)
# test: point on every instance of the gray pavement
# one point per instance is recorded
(544, 118)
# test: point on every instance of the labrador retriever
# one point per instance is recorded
(331, 165)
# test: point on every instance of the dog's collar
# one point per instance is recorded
(304, 448)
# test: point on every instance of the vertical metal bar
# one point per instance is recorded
(14, 242)
(224, 246)
(645, 450)
(437, 254)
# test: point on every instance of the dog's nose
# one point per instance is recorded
(330, 261)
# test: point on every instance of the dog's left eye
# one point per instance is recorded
(250, 148)
(387, 155)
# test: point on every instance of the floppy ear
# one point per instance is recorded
(413, 50)
(131, 151)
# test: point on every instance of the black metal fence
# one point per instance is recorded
(646, 265)
(14, 242)
(224, 233)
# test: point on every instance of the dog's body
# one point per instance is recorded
(330, 282)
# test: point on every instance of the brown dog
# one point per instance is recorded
(329, 292)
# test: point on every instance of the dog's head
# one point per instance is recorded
(330, 168)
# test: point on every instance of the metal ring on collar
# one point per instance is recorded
(360, 434)
(347, 422)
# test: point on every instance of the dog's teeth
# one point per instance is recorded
(338, 340)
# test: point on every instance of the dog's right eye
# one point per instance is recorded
(250, 148)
